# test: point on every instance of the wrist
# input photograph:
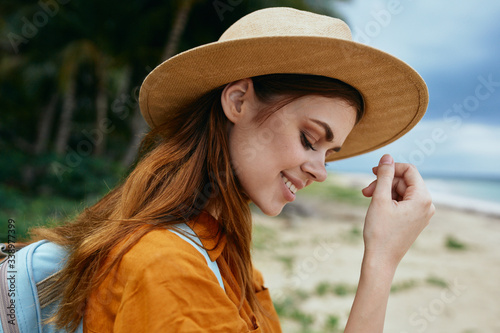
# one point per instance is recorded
(378, 264)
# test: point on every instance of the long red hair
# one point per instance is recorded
(183, 167)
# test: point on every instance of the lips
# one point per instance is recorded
(289, 184)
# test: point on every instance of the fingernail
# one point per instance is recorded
(386, 159)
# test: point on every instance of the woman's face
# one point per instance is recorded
(286, 152)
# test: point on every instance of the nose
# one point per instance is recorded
(315, 169)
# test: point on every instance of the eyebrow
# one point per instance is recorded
(328, 132)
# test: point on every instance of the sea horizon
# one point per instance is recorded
(472, 192)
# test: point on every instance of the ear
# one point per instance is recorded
(237, 99)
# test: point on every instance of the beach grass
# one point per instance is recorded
(436, 281)
(332, 324)
(331, 190)
(290, 311)
(453, 243)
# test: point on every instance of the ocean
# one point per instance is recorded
(475, 194)
(479, 194)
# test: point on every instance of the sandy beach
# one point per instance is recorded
(448, 282)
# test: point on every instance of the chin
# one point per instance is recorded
(270, 211)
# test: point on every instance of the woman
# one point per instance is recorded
(250, 118)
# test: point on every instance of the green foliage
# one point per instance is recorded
(404, 285)
(288, 261)
(356, 232)
(436, 281)
(48, 175)
(90, 177)
(263, 237)
(322, 288)
(289, 307)
(28, 212)
(305, 319)
(33, 194)
(336, 193)
(332, 324)
(453, 243)
(302, 294)
(354, 235)
(284, 306)
(341, 289)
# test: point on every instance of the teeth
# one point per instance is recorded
(289, 184)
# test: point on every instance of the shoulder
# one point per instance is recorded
(164, 281)
(162, 253)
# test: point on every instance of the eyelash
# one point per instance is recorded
(306, 142)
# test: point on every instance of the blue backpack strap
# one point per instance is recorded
(196, 243)
(31, 265)
(8, 312)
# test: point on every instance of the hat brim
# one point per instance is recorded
(395, 96)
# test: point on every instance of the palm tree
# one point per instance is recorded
(137, 123)
(74, 55)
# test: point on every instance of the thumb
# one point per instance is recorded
(385, 176)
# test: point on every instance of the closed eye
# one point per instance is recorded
(306, 142)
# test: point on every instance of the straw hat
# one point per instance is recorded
(286, 40)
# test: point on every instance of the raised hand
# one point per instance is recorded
(401, 208)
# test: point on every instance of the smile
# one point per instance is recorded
(289, 184)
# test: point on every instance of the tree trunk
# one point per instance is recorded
(68, 109)
(180, 22)
(101, 114)
(45, 126)
(138, 125)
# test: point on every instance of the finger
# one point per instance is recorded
(368, 191)
(411, 175)
(385, 176)
(408, 172)
(399, 188)
(400, 169)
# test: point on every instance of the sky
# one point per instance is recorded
(455, 47)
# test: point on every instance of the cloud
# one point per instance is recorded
(428, 33)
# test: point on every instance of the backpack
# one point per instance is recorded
(25, 275)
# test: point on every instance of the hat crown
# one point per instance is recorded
(274, 22)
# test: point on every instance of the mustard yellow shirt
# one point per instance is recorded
(163, 284)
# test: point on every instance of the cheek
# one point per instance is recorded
(265, 137)
(265, 147)
(288, 150)
(252, 147)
